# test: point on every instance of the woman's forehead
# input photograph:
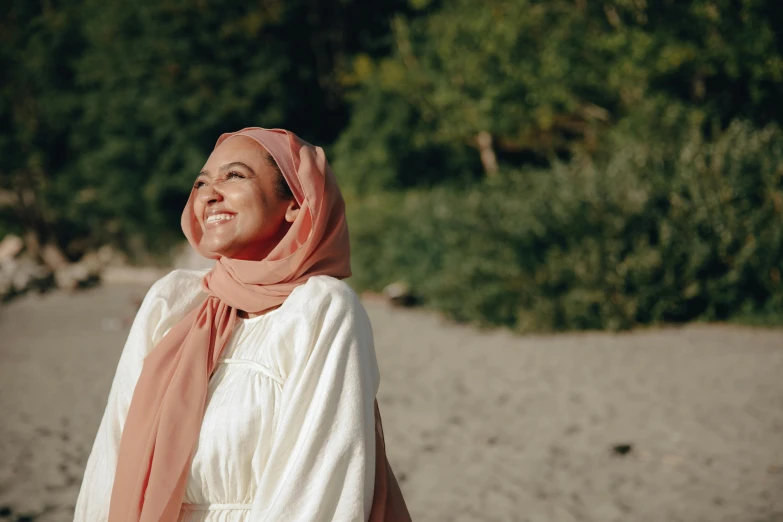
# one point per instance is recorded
(237, 149)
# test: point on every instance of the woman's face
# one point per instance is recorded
(237, 203)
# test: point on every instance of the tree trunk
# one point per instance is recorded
(488, 158)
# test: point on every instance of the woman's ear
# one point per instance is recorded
(291, 211)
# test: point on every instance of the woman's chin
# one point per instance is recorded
(218, 246)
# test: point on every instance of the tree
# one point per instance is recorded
(523, 81)
(166, 78)
(109, 109)
(38, 105)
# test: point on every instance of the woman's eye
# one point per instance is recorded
(233, 174)
(198, 184)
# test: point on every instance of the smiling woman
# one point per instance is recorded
(238, 202)
(247, 393)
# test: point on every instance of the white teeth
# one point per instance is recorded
(219, 217)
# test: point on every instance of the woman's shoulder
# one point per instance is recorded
(178, 282)
(178, 289)
(320, 304)
(166, 302)
(323, 291)
(323, 312)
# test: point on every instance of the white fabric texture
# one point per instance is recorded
(289, 429)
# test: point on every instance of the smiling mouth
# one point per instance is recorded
(219, 218)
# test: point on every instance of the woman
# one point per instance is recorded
(247, 393)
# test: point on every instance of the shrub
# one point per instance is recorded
(669, 229)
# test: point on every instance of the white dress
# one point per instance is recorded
(288, 431)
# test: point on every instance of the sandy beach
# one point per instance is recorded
(673, 424)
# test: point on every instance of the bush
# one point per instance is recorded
(669, 229)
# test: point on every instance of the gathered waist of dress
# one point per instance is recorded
(216, 507)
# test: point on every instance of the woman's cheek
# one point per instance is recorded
(198, 212)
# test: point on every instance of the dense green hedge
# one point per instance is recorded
(667, 229)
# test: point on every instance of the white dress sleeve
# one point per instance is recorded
(322, 462)
(154, 317)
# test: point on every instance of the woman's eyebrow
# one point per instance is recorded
(230, 166)
(225, 168)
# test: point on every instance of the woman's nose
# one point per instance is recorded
(210, 194)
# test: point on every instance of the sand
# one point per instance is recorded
(480, 425)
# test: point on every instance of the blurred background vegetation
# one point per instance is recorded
(543, 165)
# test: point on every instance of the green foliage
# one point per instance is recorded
(667, 230)
(109, 109)
(386, 147)
(166, 78)
(37, 108)
(521, 70)
(548, 79)
(639, 163)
